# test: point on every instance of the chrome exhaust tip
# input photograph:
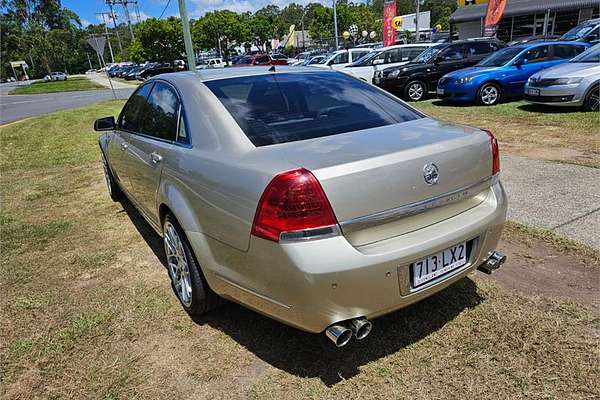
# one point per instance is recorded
(361, 327)
(495, 261)
(339, 335)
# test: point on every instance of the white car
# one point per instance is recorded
(391, 56)
(212, 63)
(56, 76)
(339, 59)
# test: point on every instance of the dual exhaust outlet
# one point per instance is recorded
(341, 334)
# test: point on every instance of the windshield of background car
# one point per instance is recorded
(286, 107)
(500, 57)
(428, 54)
(324, 59)
(578, 32)
(591, 55)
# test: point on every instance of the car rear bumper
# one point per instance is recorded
(313, 284)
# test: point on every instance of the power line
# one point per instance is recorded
(164, 9)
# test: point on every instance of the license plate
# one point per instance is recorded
(533, 92)
(440, 91)
(438, 264)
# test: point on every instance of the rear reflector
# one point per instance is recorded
(293, 201)
(495, 152)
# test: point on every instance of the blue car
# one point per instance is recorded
(503, 74)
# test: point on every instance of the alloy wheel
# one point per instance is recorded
(178, 264)
(489, 95)
(415, 91)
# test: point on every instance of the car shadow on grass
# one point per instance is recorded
(310, 355)
(544, 109)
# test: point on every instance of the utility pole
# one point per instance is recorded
(417, 21)
(112, 57)
(335, 27)
(112, 14)
(187, 36)
(124, 3)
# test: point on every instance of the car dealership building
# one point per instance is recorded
(525, 17)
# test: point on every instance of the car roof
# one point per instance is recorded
(546, 43)
(206, 75)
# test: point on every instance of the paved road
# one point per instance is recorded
(561, 197)
(15, 107)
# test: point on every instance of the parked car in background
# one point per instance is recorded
(154, 70)
(341, 58)
(131, 73)
(576, 83)
(259, 59)
(56, 76)
(588, 31)
(377, 60)
(315, 60)
(211, 63)
(263, 187)
(416, 79)
(503, 75)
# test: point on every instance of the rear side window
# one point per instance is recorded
(161, 113)
(562, 51)
(478, 49)
(131, 117)
(281, 108)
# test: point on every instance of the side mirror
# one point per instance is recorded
(378, 61)
(330, 62)
(105, 124)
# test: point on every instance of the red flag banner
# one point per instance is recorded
(495, 10)
(389, 12)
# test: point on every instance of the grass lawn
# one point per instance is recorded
(86, 309)
(549, 133)
(70, 85)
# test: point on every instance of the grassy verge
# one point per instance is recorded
(87, 310)
(536, 131)
(70, 85)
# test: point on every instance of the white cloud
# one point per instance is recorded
(85, 22)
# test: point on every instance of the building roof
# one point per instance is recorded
(521, 7)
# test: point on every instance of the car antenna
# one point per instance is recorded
(272, 69)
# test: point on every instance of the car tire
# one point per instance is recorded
(592, 100)
(187, 280)
(489, 94)
(415, 91)
(114, 191)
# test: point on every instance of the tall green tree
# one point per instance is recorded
(158, 40)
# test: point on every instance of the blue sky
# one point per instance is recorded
(87, 9)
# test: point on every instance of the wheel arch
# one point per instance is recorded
(593, 85)
(171, 200)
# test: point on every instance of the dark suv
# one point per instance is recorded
(414, 80)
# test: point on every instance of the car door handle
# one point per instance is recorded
(124, 146)
(155, 157)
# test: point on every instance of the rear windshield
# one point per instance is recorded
(287, 107)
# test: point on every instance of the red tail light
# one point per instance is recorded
(293, 201)
(495, 153)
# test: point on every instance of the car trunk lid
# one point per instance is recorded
(371, 174)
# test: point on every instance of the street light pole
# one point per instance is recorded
(335, 27)
(187, 36)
